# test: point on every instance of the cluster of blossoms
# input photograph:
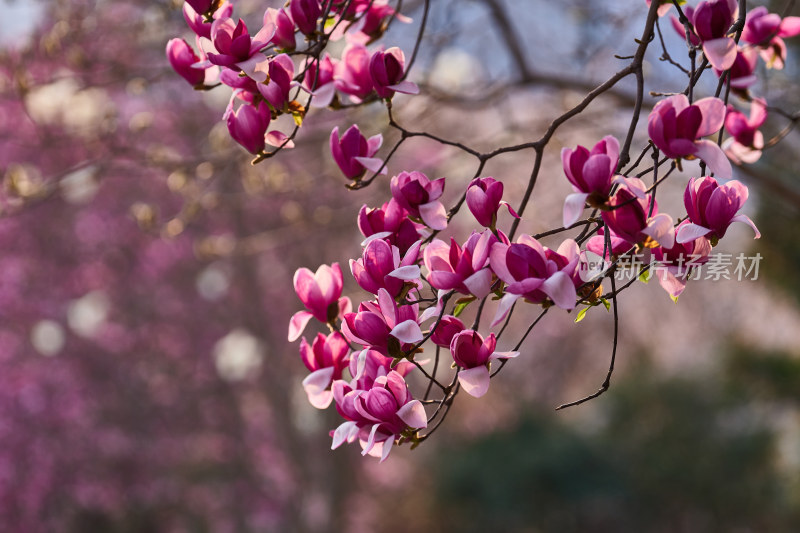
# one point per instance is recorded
(260, 69)
(710, 26)
(411, 275)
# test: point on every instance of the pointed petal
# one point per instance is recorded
(506, 302)
(407, 331)
(316, 385)
(343, 433)
(479, 283)
(561, 290)
(573, 207)
(715, 158)
(746, 220)
(434, 215)
(413, 414)
(406, 87)
(503, 355)
(406, 273)
(475, 381)
(721, 53)
(373, 164)
(297, 324)
(690, 232)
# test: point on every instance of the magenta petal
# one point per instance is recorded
(413, 414)
(715, 158)
(690, 232)
(790, 26)
(406, 273)
(475, 381)
(434, 215)
(573, 207)
(746, 220)
(561, 290)
(297, 324)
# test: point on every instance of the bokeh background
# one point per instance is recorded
(146, 384)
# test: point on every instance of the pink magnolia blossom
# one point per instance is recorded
(473, 355)
(283, 38)
(235, 48)
(279, 73)
(352, 76)
(451, 267)
(420, 197)
(376, 323)
(248, 126)
(377, 416)
(197, 22)
(320, 293)
(354, 153)
(387, 71)
(712, 20)
(368, 365)
(712, 208)
(746, 144)
(673, 264)
(445, 330)
(325, 359)
(380, 267)
(765, 30)
(371, 22)
(183, 58)
(319, 82)
(742, 72)
(484, 198)
(675, 127)
(391, 223)
(591, 175)
(631, 218)
(535, 273)
(305, 14)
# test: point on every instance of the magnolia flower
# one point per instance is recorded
(284, 28)
(380, 267)
(484, 198)
(279, 75)
(445, 330)
(675, 126)
(472, 354)
(673, 264)
(320, 293)
(319, 82)
(197, 22)
(377, 416)
(591, 175)
(633, 216)
(305, 14)
(386, 69)
(712, 208)
(746, 144)
(354, 153)
(325, 359)
(248, 126)
(235, 48)
(451, 267)
(391, 223)
(183, 58)
(765, 30)
(377, 323)
(352, 75)
(535, 273)
(420, 197)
